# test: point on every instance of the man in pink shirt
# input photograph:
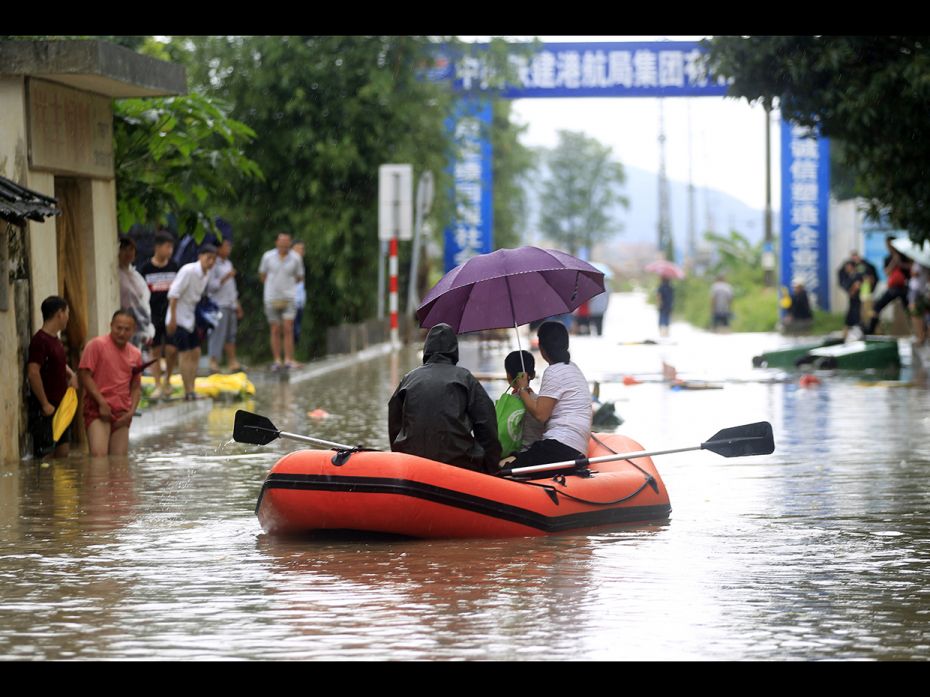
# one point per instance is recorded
(110, 371)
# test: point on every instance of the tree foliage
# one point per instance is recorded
(328, 110)
(870, 92)
(513, 163)
(180, 157)
(581, 187)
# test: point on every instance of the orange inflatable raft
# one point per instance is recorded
(394, 493)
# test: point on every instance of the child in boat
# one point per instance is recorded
(532, 428)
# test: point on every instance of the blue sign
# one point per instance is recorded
(627, 69)
(805, 200)
(472, 230)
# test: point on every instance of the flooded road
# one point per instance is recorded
(817, 551)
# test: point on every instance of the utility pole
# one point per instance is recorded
(692, 250)
(768, 248)
(666, 246)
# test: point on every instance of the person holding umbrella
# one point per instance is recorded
(563, 403)
(511, 287)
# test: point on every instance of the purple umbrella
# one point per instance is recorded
(508, 288)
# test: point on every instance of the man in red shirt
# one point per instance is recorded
(110, 372)
(49, 376)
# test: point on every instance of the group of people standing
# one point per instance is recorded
(109, 372)
(162, 313)
(906, 281)
(163, 296)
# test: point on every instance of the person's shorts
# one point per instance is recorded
(40, 427)
(279, 310)
(161, 335)
(921, 307)
(665, 316)
(227, 327)
(92, 413)
(721, 319)
(185, 340)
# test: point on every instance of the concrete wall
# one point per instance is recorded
(43, 250)
(39, 253)
(13, 165)
(101, 257)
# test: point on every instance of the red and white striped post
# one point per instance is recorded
(395, 217)
(392, 285)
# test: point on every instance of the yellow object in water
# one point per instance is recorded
(64, 414)
(215, 385)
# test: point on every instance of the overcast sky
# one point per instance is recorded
(724, 145)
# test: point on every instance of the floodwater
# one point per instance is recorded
(817, 551)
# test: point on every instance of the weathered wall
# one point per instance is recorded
(13, 165)
(43, 250)
(101, 257)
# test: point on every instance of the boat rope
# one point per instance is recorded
(553, 493)
(650, 480)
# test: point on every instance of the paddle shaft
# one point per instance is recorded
(584, 461)
(308, 439)
(730, 442)
(302, 439)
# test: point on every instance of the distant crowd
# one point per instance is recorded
(906, 282)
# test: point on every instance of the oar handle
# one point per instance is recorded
(298, 437)
(308, 439)
(585, 461)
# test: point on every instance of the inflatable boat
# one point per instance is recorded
(394, 493)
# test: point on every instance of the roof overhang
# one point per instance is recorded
(94, 66)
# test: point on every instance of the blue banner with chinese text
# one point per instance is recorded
(472, 229)
(805, 201)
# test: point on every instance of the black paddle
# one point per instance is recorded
(738, 441)
(258, 430)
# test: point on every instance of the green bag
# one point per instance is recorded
(510, 412)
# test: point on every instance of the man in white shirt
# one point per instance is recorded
(221, 287)
(185, 292)
(281, 270)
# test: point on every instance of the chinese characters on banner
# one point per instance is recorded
(472, 230)
(805, 203)
(640, 69)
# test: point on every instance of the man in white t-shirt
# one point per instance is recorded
(281, 270)
(221, 287)
(181, 323)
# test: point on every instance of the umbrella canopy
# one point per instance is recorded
(64, 414)
(665, 268)
(919, 253)
(508, 288)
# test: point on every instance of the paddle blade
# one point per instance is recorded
(751, 439)
(254, 429)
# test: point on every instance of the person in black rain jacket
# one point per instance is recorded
(441, 412)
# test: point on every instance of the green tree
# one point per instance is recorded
(581, 186)
(328, 110)
(513, 163)
(177, 156)
(870, 92)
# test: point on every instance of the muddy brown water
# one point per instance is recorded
(817, 551)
